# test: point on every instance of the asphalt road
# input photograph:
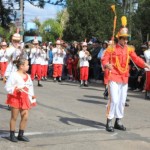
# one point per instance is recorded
(68, 117)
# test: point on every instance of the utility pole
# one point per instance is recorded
(21, 18)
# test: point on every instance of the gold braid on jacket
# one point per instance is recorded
(117, 64)
(121, 69)
(130, 48)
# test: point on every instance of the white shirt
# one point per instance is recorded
(3, 57)
(84, 59)
(12, 53)
(44, 58)
(147, 56)
(58, 56)
(35, 56)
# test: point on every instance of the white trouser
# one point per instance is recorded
(116, 103)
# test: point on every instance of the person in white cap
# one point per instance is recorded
(84, 57)
(44, 63)
(36, 60)
(3, 58)
(13, 53)
(58, 60)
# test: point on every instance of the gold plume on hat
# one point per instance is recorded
(124, 21)
(113, 8)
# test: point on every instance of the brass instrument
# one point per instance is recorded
(87, 53)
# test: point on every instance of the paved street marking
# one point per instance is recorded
(3, 135)
(114, 134)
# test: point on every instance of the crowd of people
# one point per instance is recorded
(76, 62)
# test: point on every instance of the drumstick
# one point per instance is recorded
(33, 97)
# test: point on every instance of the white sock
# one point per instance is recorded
(86, 82)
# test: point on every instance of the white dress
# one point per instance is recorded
(15, 80)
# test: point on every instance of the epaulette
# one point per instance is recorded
(110, 48)
(131, 48)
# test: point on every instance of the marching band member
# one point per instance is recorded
(44, 63)
(36, 59)
(13, 53)
(147, 54)
(69, 64)
(116, 60)
(147, 57)
(58, 60)
(20, 97)
(84, 57)
(3, 58)
(75, 68)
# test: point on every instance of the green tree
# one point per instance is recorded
(38, 24)
(5, 34)
(90, 18)
(141, 26)
(51, 29)
(4, 15)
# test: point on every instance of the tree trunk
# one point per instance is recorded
(2, 13)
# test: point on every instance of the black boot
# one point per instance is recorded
(86, 85)
(59, 80)
(118, 125)
(126, 105)
(12, 136)
(109, 126)
(40, 85)
(21, 137)
(9, 108)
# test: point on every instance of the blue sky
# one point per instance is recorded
(30, 12)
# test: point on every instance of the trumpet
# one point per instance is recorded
(87, 53)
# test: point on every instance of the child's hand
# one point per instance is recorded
(19, 89)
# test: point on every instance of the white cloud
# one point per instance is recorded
(49, 11)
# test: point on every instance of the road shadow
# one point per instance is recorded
(5, 134)
(81, 121)
(95, 97)
(138, 95)
(4, 107)
(92, 101)
(69, 84)
(90, 88)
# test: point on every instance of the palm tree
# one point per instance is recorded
(52, 29)
(38, 24)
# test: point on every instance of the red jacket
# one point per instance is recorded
(119, 57)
